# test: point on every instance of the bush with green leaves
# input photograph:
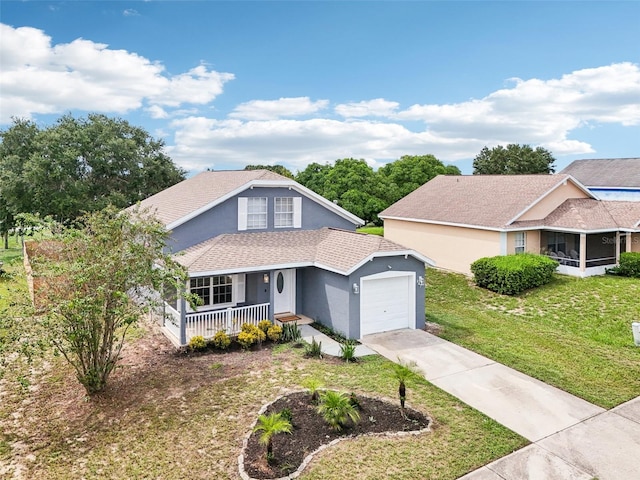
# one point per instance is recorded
(221, 340)
(628, 266)
(197, 342)
(313, 386)
(513, 274)
(402, 372)
(274, 333)
(348, 351)
(313, 349)
(290, 332)
(336, 409)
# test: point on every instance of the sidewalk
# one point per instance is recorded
(572, 438)
(329, 345)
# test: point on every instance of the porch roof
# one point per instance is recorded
(341, 251)
(606, 172)
(587, 214)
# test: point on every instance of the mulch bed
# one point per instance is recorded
(310, 432)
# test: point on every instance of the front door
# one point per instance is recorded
(284, 297)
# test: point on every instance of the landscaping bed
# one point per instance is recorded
(310, 431)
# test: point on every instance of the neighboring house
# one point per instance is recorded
(258, 245)
(456, 220)
(608, 178)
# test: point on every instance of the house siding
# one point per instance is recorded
(552, 201)
(384, 264)
(256, 290)
(532, 242)
(451, 248)
(223, 218)
(326, 298)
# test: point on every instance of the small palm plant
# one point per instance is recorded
(313, 385)
(271, 425)
(403, 372)
(336, 408)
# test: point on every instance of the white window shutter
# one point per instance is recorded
(239, 283)
(297, 212)
(242, 213)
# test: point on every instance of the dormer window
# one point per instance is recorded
(257, 213)
(283, 212)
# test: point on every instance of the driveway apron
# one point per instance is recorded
(573, 439)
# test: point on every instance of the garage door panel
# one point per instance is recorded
(385, 304)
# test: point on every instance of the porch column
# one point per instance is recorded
(618, 247)
(583, 252)
(503, 243)
(183, 321)
(628, 234)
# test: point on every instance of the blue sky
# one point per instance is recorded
(226, 84)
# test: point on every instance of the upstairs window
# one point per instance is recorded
(256, 213)
(283, 209)
(521, 242)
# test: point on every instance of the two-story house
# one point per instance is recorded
(258, 245)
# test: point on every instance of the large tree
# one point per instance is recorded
(279, 169)
(409, 172)
(100, 278)
(513, 160)
(80, 165)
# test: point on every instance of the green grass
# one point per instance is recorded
(172, 416)
(572, 333)
(372, 230)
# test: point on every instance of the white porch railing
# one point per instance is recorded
(207, 324)
(172, 320)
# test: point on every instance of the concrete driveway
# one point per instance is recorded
(572, 438)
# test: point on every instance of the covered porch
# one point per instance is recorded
(584, 254)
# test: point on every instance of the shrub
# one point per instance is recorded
(274, 333)
(348, 351)
(336, 409)
(313, 349)
(313, 385)
(264, 325)
(250, 334)
(513, 274)
(286, 414)
(271, 425)
(197, 343)
(221, 340)
(629, 265)
(290, 332)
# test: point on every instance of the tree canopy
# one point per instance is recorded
(356, 187)
(79, 165)
(513, 160)
(99, 279)
(279, 169)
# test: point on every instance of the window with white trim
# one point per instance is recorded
(216, 290)
(256, 213)
(283, 212)
(521, 242)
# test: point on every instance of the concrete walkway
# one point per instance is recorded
(572, 438)
(329, 345)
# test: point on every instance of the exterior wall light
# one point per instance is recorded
(265, 278)
(356, 288)
(421, 281)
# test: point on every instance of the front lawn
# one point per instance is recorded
(572, 333)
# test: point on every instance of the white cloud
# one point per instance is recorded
(39, 78)
(281, 108)
(130, 12)
(378, 107)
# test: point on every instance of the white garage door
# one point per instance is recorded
(387, 302)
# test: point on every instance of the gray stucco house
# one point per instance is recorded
(258, 245)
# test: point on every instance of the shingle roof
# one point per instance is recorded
(588, 214)
(196, 192)
(606, 172)
(329, 248)
(490, 201)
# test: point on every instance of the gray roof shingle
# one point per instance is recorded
(491, 201)
(606, 172)
(329, 248)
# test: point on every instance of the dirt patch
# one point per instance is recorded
(310, 432)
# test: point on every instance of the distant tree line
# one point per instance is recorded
(357, 187)
(78, 165)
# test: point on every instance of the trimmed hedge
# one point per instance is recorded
(513, 274)
(629, 265)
